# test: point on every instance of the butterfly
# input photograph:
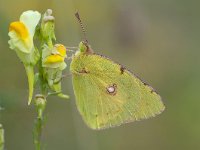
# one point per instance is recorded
(107, 94)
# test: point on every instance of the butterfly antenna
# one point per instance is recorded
(83, 29)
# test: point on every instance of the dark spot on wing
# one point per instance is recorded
(83, 70)
(153, 91)
(145, 83)
(122, 68)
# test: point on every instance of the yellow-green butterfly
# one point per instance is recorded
(107, 94)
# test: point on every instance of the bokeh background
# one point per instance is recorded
(158, 39)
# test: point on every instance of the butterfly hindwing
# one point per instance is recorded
(108, 95)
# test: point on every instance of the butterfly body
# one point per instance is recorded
(107, 94)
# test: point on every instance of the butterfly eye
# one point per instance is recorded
(112, 89)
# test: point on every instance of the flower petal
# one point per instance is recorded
(17, 43)
(54, 59)
(30, 19)
(21, 32)
(20, 29)
(61, 49)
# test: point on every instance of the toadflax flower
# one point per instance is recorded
(21, 35)
(53, 63)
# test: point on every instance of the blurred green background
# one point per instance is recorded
(158, 39)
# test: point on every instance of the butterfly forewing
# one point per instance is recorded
(108, 95)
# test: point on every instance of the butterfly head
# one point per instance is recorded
(84, 47)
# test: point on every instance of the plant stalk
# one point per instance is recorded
(2, 141)
(40, 104)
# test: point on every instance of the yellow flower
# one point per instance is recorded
(21, 40)
(21, 32)
(53, 61)
(55, 58)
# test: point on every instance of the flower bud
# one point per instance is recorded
(40, 103)
(47, 26)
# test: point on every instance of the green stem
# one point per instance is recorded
(37, 133)
(40, 103)
(1, 137)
